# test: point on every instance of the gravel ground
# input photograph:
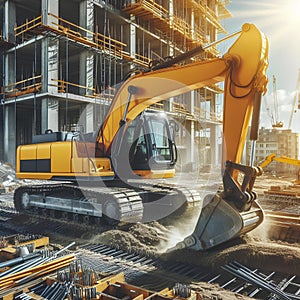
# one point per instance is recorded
(254, 249)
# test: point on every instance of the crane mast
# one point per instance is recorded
(296, 96)
(276, 123)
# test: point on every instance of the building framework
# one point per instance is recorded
(62, 60)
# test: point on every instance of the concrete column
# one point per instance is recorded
(1, 132)
(86, 67)
(214, 146)
(192, 109)
(86, 74)
(132, 40)
(193, 23)
(9, 21)
(191, 105)
(49, 55)
(9, 127)
(49, 64)
(9, 135)
(171, 10)
(9, 68)
(190, 102)
(86, 121)
(86, 16)
(49, 59)
(49, 111)
(169, 103)
(192, 142)
(50, 6)
(89, 118)
(214, 135)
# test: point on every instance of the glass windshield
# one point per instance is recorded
(160, 139)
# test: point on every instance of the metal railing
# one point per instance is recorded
(25, 86)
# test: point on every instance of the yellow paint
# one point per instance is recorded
(43, 151)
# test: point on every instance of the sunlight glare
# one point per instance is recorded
(292, 11)
(281, 18)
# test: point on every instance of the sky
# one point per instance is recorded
(279, 20)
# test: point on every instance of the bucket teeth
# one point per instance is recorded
(218, 223)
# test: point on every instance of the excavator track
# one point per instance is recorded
(163, 200)
(69, 201)
(144, 202)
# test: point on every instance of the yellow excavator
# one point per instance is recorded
(282, 159)
(104, 176)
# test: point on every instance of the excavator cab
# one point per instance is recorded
(152, 144)
(148, 145)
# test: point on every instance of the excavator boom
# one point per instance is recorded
(242, 68)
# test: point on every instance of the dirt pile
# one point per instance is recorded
(253, 249)
(139, 238)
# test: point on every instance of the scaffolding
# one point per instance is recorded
(223, 12)
(63, 87)
(143, 31)
(201, 8)
(174, 27)
(26, 86)
(75, 33)
(72, 31)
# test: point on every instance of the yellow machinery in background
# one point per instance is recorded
(282, 159)
(283, 194)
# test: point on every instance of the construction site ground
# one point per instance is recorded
(255, 249)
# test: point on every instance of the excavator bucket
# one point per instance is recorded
(219, 222)
(226, 214)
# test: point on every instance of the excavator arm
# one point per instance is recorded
(234, 210)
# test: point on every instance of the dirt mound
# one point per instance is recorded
(139, 238)
(253, 249)
(282, 258)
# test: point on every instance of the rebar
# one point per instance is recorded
(249, 276)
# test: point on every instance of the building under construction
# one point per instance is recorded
(62, 60)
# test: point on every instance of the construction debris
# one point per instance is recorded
(18, 245)
(22, 280)
(8, 180)
(22, 270)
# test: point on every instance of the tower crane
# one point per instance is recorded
(296, 96)
(276, 123)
